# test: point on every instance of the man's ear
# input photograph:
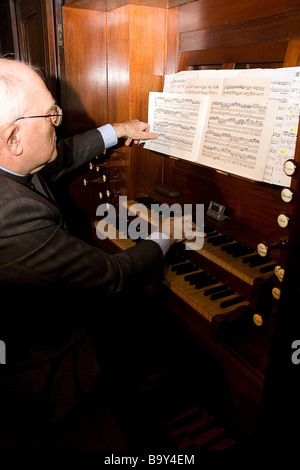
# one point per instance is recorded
(12, 140)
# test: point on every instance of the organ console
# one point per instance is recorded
(229, 294)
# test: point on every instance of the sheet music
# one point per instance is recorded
(246, 86)
(284, 89)
(236, 138)
(231, 135)
(204, 86)
(277, 85)
(176, 82)
(178, 119)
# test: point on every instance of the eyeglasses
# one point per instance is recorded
(55, 114)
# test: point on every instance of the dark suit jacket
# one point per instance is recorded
(45, 273)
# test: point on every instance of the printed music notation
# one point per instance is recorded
(222, 132)
(185, 128)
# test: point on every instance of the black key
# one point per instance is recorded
(267, 269)
(221, 240)
(215, 290)
(185, 268)
(259, 261)
(176, 266)
(210, 281)
(221, 295)
(211, 236)
(208, 229)
(230, 248)
(245, 250)
(234, 301)
(193, 277)
(250, 259)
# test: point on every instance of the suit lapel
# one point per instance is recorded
(39, 187)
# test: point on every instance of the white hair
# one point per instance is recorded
(14, 96)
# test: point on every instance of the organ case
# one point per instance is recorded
(114, 55)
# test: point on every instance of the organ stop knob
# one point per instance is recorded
(258, 319)
(263, 248)
(283, 220)
(279, 273)
(289, 167)
(286, 194)
(101, 180)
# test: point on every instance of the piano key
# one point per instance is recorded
(211, 236)
(259, 261)
(197, 299)
(231, 247)
(192, 278)
(208, 229)
(244, 250)
(185, 268)
(221, 295)
(234, 301)
(230, 262)
(215, 290)
(256, 260)
(221, 240)
(237, 249)
(268, 268)
(201, 279)
(206, 282)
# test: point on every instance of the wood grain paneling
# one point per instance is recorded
(273, 29)
(205, 13)
(85, 69)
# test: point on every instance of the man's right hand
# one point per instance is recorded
(134, 130)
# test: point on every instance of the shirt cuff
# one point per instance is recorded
(109, 135)
(162, 240)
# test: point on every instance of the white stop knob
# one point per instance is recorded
(282, 220)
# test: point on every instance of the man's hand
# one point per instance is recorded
(134, 131)
(178, 229)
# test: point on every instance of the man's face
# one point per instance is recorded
(38, 135)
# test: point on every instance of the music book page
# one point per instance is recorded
(179, 120)
(220, 132)
(237, 135)
(285, 89)
(281, 85)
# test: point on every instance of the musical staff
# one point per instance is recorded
(218, 131)
(279, 85)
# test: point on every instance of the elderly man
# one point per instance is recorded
(46, 274)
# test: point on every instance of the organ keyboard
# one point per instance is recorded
(213, 297)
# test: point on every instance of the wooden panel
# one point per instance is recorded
(85, 69)
(274, 29)
(147, 62)
(30, 23)
(34, 36)
(171, 46)
(249, 223)
(108, 5)
(118, 71)
(135, 62)
(254, 53)
(205, 13)
(136, 65)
